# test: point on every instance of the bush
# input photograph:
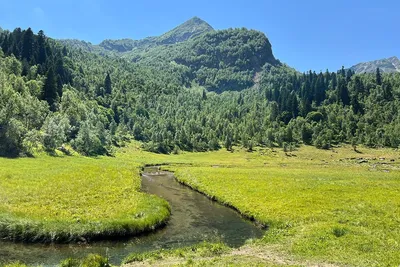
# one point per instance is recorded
(322, 143)
(315, 116)
(92, 140)
(55, 130)
(95, 261)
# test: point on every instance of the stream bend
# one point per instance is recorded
(194, 218)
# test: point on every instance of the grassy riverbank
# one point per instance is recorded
(331, 206)
(337, 207)
(73, 198)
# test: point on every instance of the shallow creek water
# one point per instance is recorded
(194, 218)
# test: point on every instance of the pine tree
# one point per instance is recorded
(5, 45)
(28, 46)
(228, 143)
(60, 74)
(50, 89)
(319, 89)
(358, 85)
(343, 72)
(204, 97)
(343, 92)
(41, 43)
(294, 108)
(387, 91)
(108, 84)
(349, 74)
(378, 77)
(16, 43)
(65, 51)
(240, 100)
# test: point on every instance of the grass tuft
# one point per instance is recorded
(204, 249)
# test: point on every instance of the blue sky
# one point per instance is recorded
(304, 34)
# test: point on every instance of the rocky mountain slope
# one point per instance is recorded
(388, 65)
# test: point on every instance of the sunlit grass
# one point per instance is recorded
(62, 199)
(338, 206)
(204, 249)
(335, 206)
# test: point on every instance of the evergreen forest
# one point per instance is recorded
(215, 89)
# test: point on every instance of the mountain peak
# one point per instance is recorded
(187, 30)
(389, 65)
(196, 21)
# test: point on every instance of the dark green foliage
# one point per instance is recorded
(342, 92)
(11, 134)
(339, 231)
(50, 93)
(315, 116)
(378, 77)
(34, 50)
(28, 45)
(387, 91)
(107, 84)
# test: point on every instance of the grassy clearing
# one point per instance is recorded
(64, 199)
(338, 206)
(335, 206)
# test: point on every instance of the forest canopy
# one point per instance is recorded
(218, 89)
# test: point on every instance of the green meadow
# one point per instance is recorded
(334, 206)
(337, 206)
(74, 198)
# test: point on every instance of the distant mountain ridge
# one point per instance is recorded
(188, 30)
(387, 65)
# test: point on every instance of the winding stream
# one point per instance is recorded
(194, 219)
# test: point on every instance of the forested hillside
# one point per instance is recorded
(218, 89)
(226, 60)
